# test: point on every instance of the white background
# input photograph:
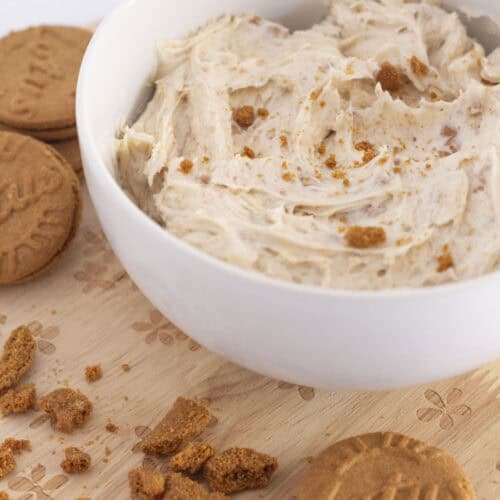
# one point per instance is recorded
(16, 14)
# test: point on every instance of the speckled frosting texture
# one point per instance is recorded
(359, 154)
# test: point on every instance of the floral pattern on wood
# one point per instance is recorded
(306, 393)
(157, 327)
(443, 409)
(32, 487)
(44, 335)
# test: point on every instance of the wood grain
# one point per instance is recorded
(88, 311)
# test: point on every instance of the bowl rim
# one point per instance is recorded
(126, 205)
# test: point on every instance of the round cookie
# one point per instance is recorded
(40, 207)
(38, 73)
(50, 135)
(70, 150)
(384, 465)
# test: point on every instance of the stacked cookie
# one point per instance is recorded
(40, 203)
(38, 74)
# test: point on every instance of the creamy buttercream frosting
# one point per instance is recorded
(359, 154)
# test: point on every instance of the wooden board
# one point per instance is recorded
(88, 311)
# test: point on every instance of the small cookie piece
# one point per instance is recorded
(76, 461)
(146, 483)
(112, 428)
(244, 116)
(191, 459)
(4, 495)
(18, 400)
(16, 445)
(187, 419)
(67, 409)
(238, 469)
(93, 373)
(389, 77)
(40, 207)
(384, 465)
(7, 462)
(179, 487)
(38, 73)
(18, 356)
(362, 238)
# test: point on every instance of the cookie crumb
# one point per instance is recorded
(145, 483)
(67, 409)
(191, 459)
(238, 469)
(445, 260)
(18, 400)
(331, 162)
(244, 116)
(7, 462)
(93, 373)
(418, 67)
(4, 495)
(321, 149)
(365, 237)
(126, 367)
(389, 77)
(263, 113)
(179, 487)
(110, 427)
(248, 152)
(17, 358)
(76, 461)
(186, 166)
(284, 140)
(288, 177)
(16, 445)
(368, 149)
(185, 420)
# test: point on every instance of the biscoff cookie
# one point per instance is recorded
(145, 483)
(179, 487)
(54, 135)
(16, 445)
(38, 73)
(239, 469)
(187, 419)
(40, 207)
(67, 409)
(70, 150)
(384, 465)
(18, 400)
(76, 461)
(17, 358)
(191, 459)
(7, 462)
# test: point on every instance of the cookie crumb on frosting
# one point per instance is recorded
(365, 237)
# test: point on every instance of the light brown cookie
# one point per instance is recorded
(71, 152)
(50, 135)
(38, 73)
(384, 465)
(40, 207)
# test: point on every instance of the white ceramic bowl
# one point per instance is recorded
(321, 338)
